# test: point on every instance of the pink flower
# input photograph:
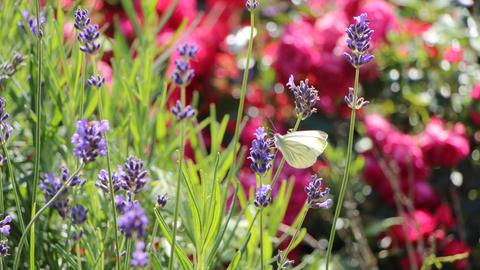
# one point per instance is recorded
(404, 151)
(296, 53)
(474, 109)
(456, 247)
(378, 128)
(382, 19)
(453, 54)
(185, 9)
(419, 224)
(444, 147)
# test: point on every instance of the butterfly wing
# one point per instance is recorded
(302, 148)
(315, 140)
(298, 155)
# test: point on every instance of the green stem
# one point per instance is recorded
(82, 90)
(295, 235)
(2, 205)
(282, 161)
(261, 229)
(177, 194)
(39, 212)
(243, 91)
(38, 110)
(13, 180)
(261, 238)
(127, 256)
(346, 175)
(110, 186)
(79, 258)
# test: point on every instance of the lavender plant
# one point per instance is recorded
(358, 41)
(213, 222)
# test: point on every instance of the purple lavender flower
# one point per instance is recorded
(77, 235)
(262, 196)
(350, 100)
(183, 73)
(133, 221)
(139, 257)
(89, 140)
(306, 97)
(316, 192)
(88, 38)
(5, 225)
(103, 183)
(4, 248)
(121, 204)
(8, 69)
(81, 18)
(188, 50)
(3, 160)
(251, 4)
(79, 215)
(161, 201)
(285, 264)
(32, 22)
(131, 175)
(97, 82)
(260, 152)
(358, 41)
(182, 112)
(5, 127)
(51, 184)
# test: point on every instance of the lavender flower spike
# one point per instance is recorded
(133, 222)
(5, 127)
(81, 18)
(5, 225)
(358, 41)
(316, 192)
(183, 73)
(88, 38)
(51, 184)
(97, 82)
(32, 23)
(89, 140)
(251, 4)
(132, 176)
(350, 100)
(260, 152)
(79, 214)
(262, 198)
(4, 248)
(188, 50)
(182, 112)
(139, 257)
(306, 97)
(161, 201)
(103, 183)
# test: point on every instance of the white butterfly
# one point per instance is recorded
(301, 148)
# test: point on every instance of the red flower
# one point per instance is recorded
(445, 217)
(456, 247)
(444, 147)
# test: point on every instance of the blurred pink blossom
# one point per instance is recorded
(444, 147)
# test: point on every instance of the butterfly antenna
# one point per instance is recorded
(274, 129)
